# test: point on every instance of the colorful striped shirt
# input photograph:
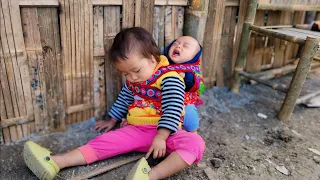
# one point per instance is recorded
(172, 103)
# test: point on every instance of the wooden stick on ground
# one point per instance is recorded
(307, 96)
(108, 168)
(264, 82)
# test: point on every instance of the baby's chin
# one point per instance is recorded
(177, 59)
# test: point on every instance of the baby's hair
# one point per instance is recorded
(135, 39)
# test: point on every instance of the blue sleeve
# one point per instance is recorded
(189, 80)
(119, 109)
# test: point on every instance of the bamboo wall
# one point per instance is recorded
(54, 66)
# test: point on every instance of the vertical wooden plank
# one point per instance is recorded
(156, 20)
(3, 114)
(82, 57)
(286, 19)
(9, 51)
(274, 19)
(161, 35)
(254, 58)
(212, 41)
(32, 38)
(50, 42)
(78, 49)
(158, 26)
(168, 34)
(41, 99)
(73, 59)
(64, 55)
(144, 11)
(21, 57)
(179, 22)
(98, 59)
(127, 13)
(298, 19)
(6, 106)
(86, 55)
(11, 44)
(226, 45)
(91, 56)
(6, 70)
(60, 87)
(241, 15)
(113, 77)
(174, 13)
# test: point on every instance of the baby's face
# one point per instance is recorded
(183, 49)
(135, 68)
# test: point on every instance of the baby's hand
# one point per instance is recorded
(124, 123)
(106, 125)
(182, 74)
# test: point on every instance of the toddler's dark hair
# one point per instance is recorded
(135, 39)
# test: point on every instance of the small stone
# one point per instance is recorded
(210, 173)
(263, 116)
(216, 162)
(247, 137)
(252, 167)
(316, 159)
(202, 165)
(283, 170)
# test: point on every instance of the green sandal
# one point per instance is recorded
(139, 171)
(39, 162)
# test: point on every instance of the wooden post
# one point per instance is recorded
(127, 14)
(310, 48)
(112, 75)
(195, 19)
(242, 53)
(98, 60)
(211, 45)
(50, 41)
(144, 14)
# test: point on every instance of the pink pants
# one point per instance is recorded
(189, 146)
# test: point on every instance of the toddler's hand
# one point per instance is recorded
(182, 74)
(106, 125)
(158, 147)
(124, 123)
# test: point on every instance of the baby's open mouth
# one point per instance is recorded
(175, 53)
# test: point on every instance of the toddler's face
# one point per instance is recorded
(135, 68)
(183, 49)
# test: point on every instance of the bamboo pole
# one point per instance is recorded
(107, 168)
(302, 99)
(78, 108)
(275, 86)
(283, 7)
(309, 50)
(243, 48)
(275, 34)
(241, 18)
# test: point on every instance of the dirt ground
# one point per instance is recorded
(240, 145)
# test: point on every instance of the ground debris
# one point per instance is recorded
(216, 162)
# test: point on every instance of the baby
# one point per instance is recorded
(186, 52)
